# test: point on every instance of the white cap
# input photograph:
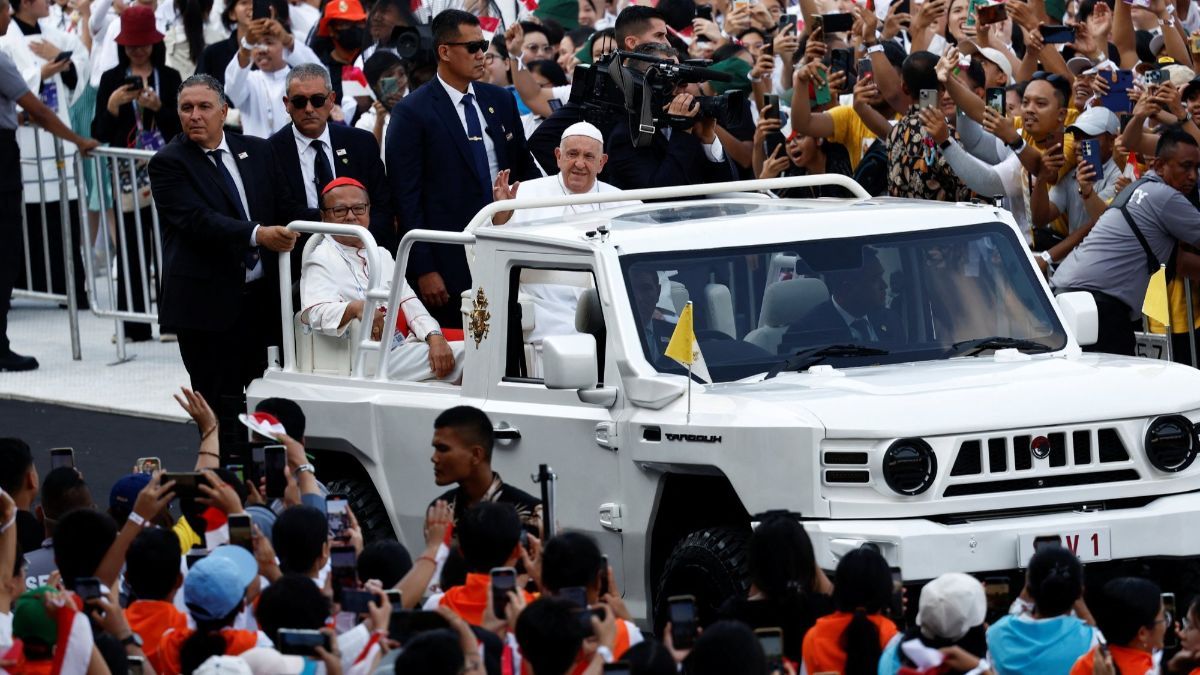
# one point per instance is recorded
(951, 605)
(224, 665)
(584, 129)
(1000, 60)
(1095, 121)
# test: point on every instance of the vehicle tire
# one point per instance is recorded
(367, 506)
(710, 564)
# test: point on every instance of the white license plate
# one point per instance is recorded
(1090, 545)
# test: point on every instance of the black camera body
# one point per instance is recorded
(611, 90)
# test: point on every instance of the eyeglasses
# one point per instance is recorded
(490, 57)
(471, 47)
(301, 102)
(341, 211)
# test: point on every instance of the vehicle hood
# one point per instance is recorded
(975, 394)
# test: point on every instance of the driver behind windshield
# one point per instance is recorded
(856, 311)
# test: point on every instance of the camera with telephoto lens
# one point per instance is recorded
(612, 89)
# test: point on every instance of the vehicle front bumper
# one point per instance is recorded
(924, 549)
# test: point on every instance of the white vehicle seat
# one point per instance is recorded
(679, 296)
(780, 263)
(718, 307)
(785, 303)
(317, 353)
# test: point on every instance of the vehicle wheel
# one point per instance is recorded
(368, 507)
(710, 564)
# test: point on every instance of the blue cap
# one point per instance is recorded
(125, 491)
(217, 583)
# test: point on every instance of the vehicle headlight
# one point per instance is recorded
(1171, 443)
(909, 466)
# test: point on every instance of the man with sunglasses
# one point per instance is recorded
(313, 152)
(447, 142)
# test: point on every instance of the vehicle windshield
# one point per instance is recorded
(856, 301)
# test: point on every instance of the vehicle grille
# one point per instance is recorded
(1008, 463)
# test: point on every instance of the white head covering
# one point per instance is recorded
(584, 129)
(224, 665)
(951, 605)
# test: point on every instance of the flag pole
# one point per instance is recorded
(689, 395)
(1170, 352)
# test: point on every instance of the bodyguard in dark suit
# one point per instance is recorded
(221, 199)
(855, 312)
(446, 143)
(313, 152)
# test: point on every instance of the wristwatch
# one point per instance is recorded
(306, 467)
(945, 144)
(132, 640)
(1018, 145)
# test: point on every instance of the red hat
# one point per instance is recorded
(342, 181)
(137, 27)
(340, 10)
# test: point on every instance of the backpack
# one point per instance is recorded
(872, 171)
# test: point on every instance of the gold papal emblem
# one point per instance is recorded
(480, 316)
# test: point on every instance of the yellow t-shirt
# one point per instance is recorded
(1178, 304)
(850, 131)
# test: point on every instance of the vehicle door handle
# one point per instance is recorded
(506, 432)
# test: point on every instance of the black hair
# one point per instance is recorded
(207, 641)
(746, 32)
(649, 657)
(580, 35)
(386, 560)
(80, 542)
(634, 19)
(501, 48)
(554, 31)
(204, 80)
(158, 55)
(550, 635)
(550, 70)
(299, 537)
(1127, 604)
(535, 27)
(862, 585)
(288, 412)
(471, 424)
(1059, 84)
(152, 564)
(15, 461)
(1054, 580)
(600, 35)
(381, 62)
(488, 533)
(895, 53)
(781, 559)
(678, 13)
(726, 647)
(570, 559)
(436, 652)
(919, 71)
(976, 75)
(63, 491)
(445, 25)
(727, 51)
(292, 601)
(1169, 138)
(194, 14)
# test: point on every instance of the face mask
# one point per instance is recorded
(389, 87)
(351, 38)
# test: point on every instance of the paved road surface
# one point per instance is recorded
(106, 445)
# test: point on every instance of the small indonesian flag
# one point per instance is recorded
(263, 424)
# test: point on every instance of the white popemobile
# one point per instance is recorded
(891, 372)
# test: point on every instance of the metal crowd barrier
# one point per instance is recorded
(128, 252)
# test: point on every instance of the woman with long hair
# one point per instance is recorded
(1131, 615)
(850, 640)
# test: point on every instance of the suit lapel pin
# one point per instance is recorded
(242, 155)
(345, 160)
(491, 110)
(340, 152)
(508, 136)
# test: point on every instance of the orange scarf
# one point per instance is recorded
(822, 648)
(469, 601)
(166, 661)
(151, 619)
(1128, 661)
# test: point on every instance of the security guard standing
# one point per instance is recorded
(13, 92)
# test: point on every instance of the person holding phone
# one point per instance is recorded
(388, 76)
(255, 79)
(1131, 615)
(152, 572)
(1082, 196)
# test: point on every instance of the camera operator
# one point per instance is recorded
(679, 154)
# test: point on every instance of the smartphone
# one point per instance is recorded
(134, 82)
(337, 512)
(771, 641)
(1057, 35)
(504, 579)
(840, 59)
(60, 457)
(684, 620)
(275, 458)
(704, 12)
(996, 590)
(618, 668)
(786, 21)
(88, 588)
(819, 91)
(237, 470)
(241, 532)
(1155, 77)
(262, 9)
(135, 665)
(1089, 151)
(194, 556)
(186, 483)
(995, 99)
(554, 104)
(897, 610)
(343, 563)
(576, 595)
(604, 567)
(147, 465)
(1170, 638)
(1194, 44)
(990, 14)
(258, 462)
(768, 48)
(837, 23)
(302, 641)
(404, 624)
(585, 618)
(772, 101)
(1119, 84)
(865, 68)
(928, 98)
(356, 601)
(63, 56)
(394, 596)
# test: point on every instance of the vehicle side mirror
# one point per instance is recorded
(569, 361)
(1081, 316)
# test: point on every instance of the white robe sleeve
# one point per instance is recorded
(323, 302)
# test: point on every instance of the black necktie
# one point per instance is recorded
(863, 328)
(322, 172)
(475, 141)
(251, 255)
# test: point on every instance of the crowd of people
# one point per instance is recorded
(207, 571)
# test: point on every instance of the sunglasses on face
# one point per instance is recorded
(300, 102)
(471, 47)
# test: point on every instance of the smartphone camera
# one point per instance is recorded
(504, 579)
(684, 620)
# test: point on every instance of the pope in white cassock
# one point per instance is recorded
(581, 158)
(333, 290)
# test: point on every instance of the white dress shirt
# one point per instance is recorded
(366, 122)
(308, 153)
(850, 319)
(255, 272)
(456, 98)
